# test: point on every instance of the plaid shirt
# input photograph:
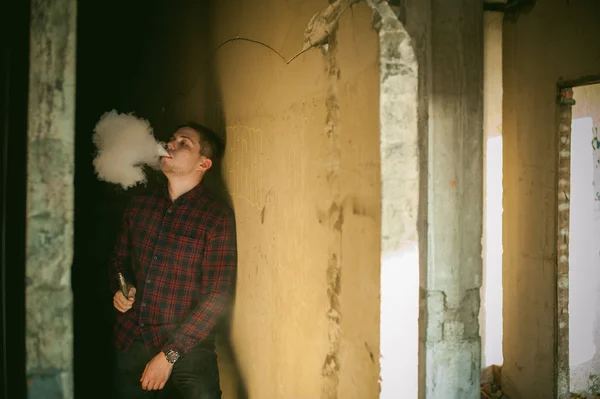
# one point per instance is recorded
(181, 256)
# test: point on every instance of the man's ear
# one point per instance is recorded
(205, 164)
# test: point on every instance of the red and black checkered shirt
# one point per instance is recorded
(181, 256)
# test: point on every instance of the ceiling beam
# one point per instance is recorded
(512, 8)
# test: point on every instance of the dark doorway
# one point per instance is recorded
(111, 38)
(122, 51)
(14, 77)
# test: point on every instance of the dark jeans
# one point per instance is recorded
(194, 376)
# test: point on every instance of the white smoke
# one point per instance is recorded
(125, 144)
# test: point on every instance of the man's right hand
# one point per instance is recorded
(121, 303)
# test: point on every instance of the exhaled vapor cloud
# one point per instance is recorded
(125, 144)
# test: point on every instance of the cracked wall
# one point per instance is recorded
(302, 168)
(531, 71)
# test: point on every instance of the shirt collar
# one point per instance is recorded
(188, 197)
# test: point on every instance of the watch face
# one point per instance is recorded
(172, 356)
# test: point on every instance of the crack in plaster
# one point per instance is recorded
(318, 30)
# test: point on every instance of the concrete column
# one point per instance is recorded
(49, 327)
(450, 47)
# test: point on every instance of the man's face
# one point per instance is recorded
(184, 149)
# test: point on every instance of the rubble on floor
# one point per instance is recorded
(585, 396)
(585, 382)
(491, 383)
(585, 377)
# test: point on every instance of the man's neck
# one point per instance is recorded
(180, 185)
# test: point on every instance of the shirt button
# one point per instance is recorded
(142, 324)
(148, 281)
(169, 211)
(143, 304)
(156, 258)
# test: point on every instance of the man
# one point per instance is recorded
(177, 251)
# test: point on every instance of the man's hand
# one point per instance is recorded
(156, 373)
(121, 303)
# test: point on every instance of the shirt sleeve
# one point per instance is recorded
(119, 258)
(218, 274)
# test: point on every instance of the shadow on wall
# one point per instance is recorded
(232, 382)
(126, 61)
(199, 101)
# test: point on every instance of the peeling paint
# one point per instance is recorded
(324, 23)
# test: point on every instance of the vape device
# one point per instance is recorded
(123, 285)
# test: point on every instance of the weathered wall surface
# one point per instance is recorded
(302, 167)
(556, 40)
(49, 301)
(302, 171)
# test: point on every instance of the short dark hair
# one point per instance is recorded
(211, 146)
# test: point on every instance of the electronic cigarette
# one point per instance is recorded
(123, 285)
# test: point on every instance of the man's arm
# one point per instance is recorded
(218, 274)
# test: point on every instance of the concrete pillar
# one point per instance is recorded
(450, 53)
(49, 327)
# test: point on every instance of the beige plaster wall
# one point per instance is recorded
(302, 168)
(557, 40)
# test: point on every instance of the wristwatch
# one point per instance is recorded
(172, 356)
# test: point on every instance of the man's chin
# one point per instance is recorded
(171, 171)
(166, 169)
